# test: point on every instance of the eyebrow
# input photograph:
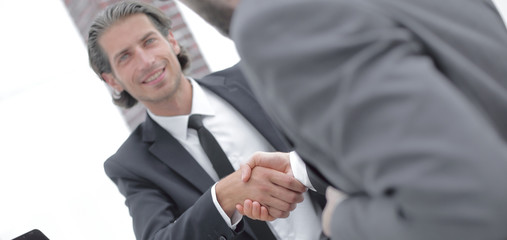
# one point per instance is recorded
(147, 35)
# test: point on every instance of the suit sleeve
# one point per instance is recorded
(155, 216)
(357, 89)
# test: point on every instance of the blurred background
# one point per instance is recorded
(58, 124)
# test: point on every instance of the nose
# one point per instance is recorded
(144, 58)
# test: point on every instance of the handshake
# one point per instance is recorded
(265, 189)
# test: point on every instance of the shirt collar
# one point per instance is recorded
(178, 125)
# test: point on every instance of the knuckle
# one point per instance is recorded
(256, 155)
(285, 207)
(292, 207)
(295, 198)
(285, 214)
(274, 212)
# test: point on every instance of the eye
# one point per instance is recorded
(123, 57)
(149, 41)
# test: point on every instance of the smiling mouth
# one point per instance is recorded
(154, 76)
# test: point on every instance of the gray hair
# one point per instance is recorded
(99, 61)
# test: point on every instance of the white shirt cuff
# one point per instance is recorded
(236, 217)
(299, 170)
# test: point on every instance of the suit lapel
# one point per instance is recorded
(232, 88)
(166, 148)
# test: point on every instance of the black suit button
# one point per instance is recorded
(222, 238)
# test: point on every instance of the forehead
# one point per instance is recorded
(126, 32)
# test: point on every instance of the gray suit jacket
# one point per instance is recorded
(166, 190)
(402, 104)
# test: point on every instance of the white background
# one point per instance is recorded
(58, 125)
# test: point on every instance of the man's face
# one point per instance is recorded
(143, 62)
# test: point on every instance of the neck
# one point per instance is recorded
(179, 103)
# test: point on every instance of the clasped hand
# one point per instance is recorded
(279, 162)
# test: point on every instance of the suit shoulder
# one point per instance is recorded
(133, 147)
(234, 73)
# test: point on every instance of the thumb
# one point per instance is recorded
(246, 172)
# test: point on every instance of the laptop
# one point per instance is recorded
(34, 234)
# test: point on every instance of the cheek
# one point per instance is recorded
(126, 74)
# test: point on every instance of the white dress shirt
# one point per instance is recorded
(239, 140)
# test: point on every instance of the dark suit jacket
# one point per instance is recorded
(400, 103)
(166, 190)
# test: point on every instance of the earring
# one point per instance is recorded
(116, 94)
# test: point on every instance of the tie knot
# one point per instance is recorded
(195, 122)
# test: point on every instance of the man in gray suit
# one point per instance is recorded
(401, 104)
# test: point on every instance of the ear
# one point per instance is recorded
(174, 44)
(111, 81)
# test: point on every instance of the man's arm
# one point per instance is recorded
(156, 216)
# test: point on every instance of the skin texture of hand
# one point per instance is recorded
(334, 197)
(277, 191)
(277, 161)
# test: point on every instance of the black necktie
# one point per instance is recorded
(216, 155)
(223, 167)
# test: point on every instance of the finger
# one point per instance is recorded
(239, 207)
(275, 187)
(279, 197)
(246, 172)
(256, 210)
(259, 212)
(276, 213)
(287, 182)
(287, 196)
(247, 208)
(265, 214)
(277, 203)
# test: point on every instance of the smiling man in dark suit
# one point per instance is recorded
(167, 178)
